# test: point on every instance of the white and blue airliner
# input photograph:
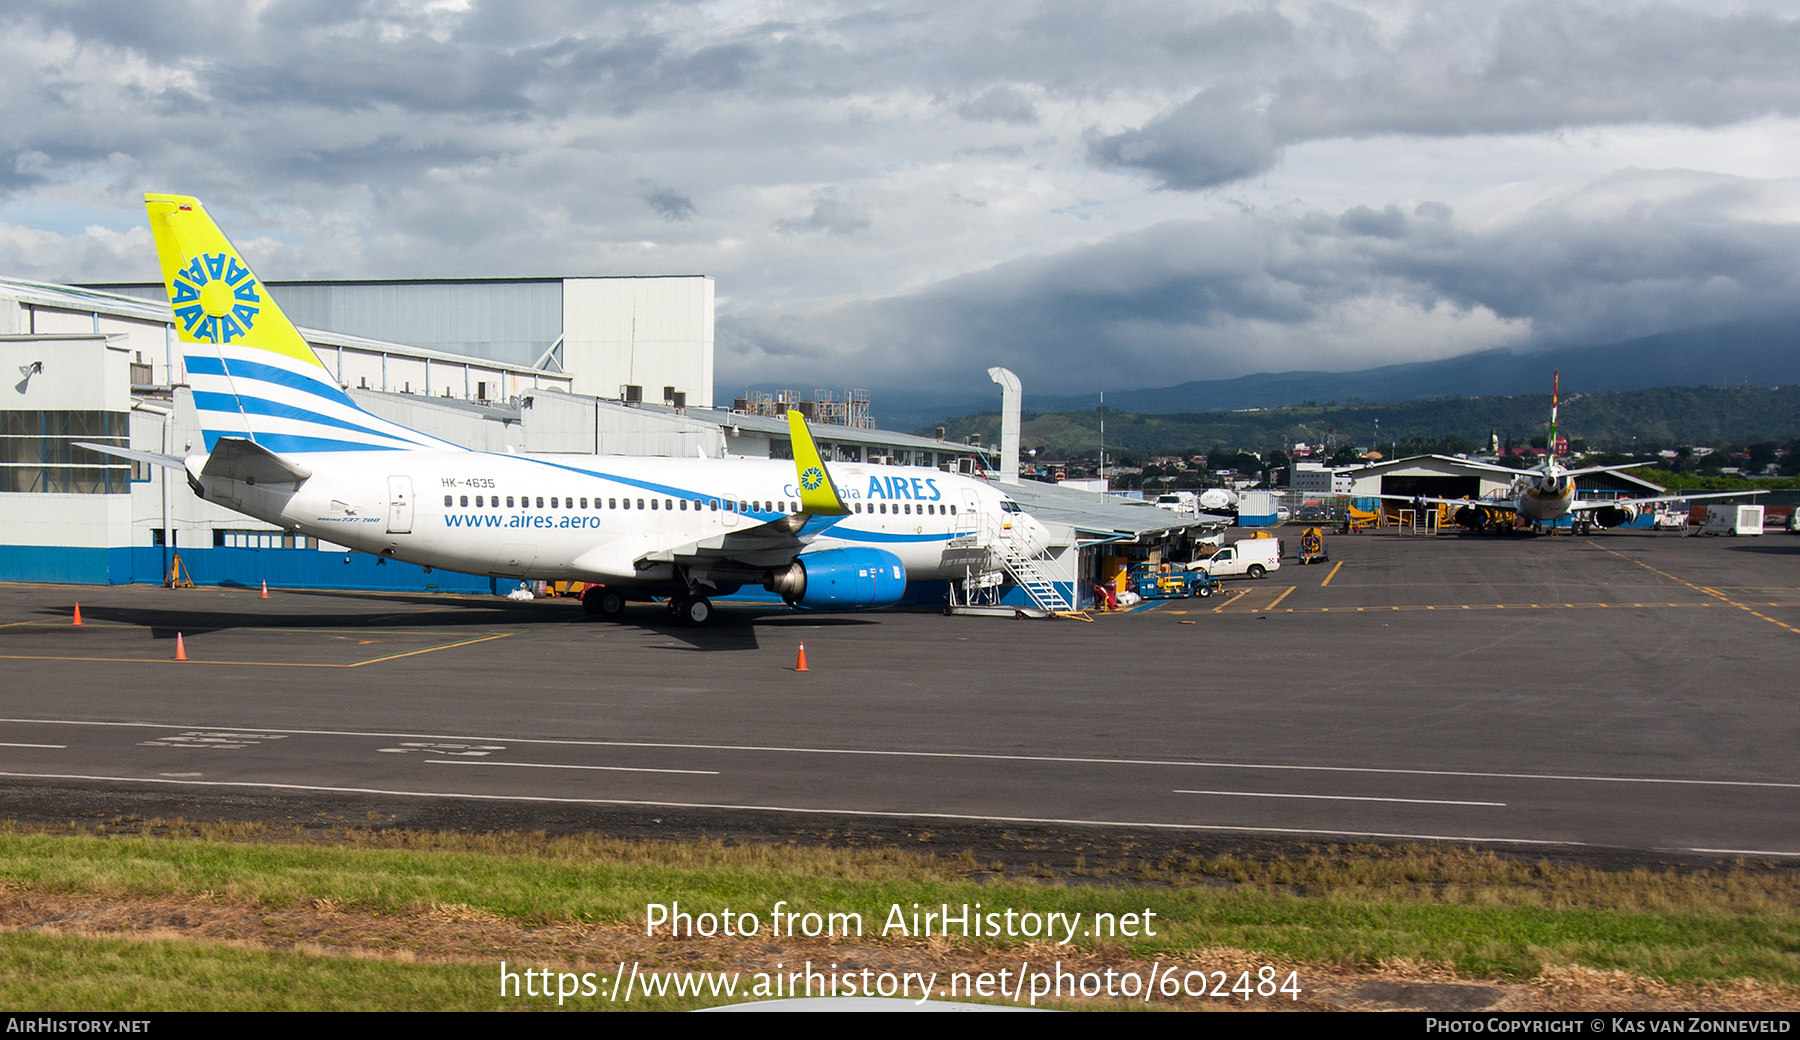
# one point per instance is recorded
(285, 444)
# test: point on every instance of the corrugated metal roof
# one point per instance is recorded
(510, 320)
(77, 298)
(777, 426)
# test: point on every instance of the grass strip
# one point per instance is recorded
(1483, 915)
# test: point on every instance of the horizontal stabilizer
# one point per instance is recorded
(234, 458)
(149, 457)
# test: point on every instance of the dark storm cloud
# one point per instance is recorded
(668, 203)
(1198, 299)
(830, 214)
(999, 105)
(392, 136)
(1250, 82)
(1525, 68)
(418, 75)
(165, 29)
(1217, 137)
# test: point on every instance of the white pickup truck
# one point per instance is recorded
(1252, 557)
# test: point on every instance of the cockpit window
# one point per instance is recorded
(1007, 505)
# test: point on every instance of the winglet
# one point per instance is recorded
(818, 493)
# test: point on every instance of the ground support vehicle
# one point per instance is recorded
(1250, 558)
(1152, 583)
(1312, 547)
(1733, 520)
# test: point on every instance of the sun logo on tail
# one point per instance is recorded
(215, 297)
(812, 478)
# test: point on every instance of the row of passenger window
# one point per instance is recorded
(908, 508)
(670, 504)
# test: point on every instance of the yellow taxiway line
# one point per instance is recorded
(1715, 593)
(255, 664)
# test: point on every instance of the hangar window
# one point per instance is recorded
(38, 452)
(228, 539)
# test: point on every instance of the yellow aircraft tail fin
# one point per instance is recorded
(215, 295)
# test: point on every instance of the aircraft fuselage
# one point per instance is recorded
(606, 519)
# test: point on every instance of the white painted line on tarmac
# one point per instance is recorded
(552, 765)
(961, 755)
(1746, 852)
(883, 814)
(35, 745)
(1340, 798)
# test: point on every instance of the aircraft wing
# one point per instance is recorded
(1505, 505)
(765, 545)
(1635, 502)
(778, 541)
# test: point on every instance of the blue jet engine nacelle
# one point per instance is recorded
(841, 579)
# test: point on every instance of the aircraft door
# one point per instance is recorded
(970, 513)
(400, 505)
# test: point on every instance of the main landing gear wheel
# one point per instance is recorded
(695, 611)
(600, 601)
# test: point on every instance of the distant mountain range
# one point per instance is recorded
(1763, 352)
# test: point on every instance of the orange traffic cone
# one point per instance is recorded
(180, 648)
(265, 594)
(801, 667)
(77, 620)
